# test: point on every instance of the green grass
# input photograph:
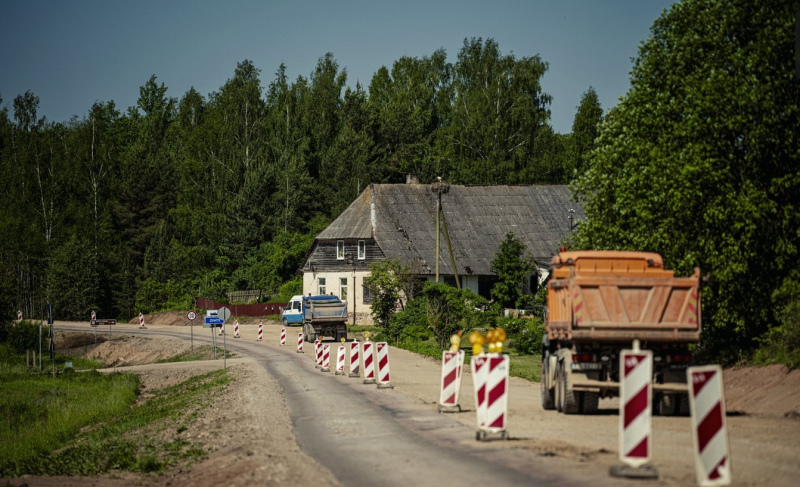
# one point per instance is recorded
(204, 352)
(86, 423)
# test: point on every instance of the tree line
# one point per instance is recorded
(142, 209)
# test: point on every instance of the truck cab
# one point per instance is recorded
(293, 313)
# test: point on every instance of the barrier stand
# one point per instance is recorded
(222, 329)
(236, 328)
(355, 362)
(283, 337)
(325, 366)
(340, 360)
(709, 430)
(261, 332)
(141, 322)
(382, 349)
(452, 365)
(300, 342)
(490, 376)
(318, 353)
(369, 360)
(635, 414)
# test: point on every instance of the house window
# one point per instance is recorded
(362, 250)
(340, 250)
(322, 285)
(367, 295)
(343, 288)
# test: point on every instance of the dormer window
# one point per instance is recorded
(340, 250)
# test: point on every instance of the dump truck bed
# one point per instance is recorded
(621, 296)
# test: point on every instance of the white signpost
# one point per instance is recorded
(191, 316)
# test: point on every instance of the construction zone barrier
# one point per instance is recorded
(325, 366)
(283, 337)
(141, 322)
(635, 414)
(340, 360)
(300, 342)
(355, 362)
(260, 332)
(19, 316)
(236, 329)
(369, 362)
(383, 366)
(452, 365)
(318, 352)
(490, 376)
(709, 430)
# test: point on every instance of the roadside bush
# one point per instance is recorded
(409, 324)
(525, 334)
(24, 336)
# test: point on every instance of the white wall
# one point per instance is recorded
(355, 297)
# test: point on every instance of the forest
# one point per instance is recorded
(145, 208)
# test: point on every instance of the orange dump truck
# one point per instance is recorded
(598, 302)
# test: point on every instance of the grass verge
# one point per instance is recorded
(86, 423)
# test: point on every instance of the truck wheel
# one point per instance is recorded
(569, 404)
(588, 402)
(285, 323)
(548, 399)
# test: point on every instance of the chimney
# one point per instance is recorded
(412, 179)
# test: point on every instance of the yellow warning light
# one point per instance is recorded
(343, 340)
(500, 335)
(455, 343)
(477, 349)
(492, 347)
(473, 337)
(366, 335)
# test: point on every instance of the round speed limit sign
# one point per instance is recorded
(191, 315)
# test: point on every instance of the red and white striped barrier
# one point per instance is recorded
(709, 429)
(141, 322)
(635, 413)
(325, 366)
(355, 362)
(283, 337)
(369, 362)
(300, 342)
(19, 315)
(490, 374)
(236, 329)
(260, 332)
(340, 361)
(452, 365)
(383, 366)
(94, 316)
(318, 352)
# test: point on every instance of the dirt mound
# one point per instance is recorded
(167, 318)
(768, 390)
(136, 350)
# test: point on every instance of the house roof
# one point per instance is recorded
(402, 220)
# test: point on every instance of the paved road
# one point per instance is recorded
(369, 437)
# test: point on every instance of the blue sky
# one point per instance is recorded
(73, 53)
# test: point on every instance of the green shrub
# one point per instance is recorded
(524, 334)
(24, 336)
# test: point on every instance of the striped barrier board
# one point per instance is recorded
(283, 337)
(236, 329)
(709, 429)
(339, 361)
(325, 366)
(300, 342)
(318, 352)
(19, 315)
(141, 322)
(635, 405)
(384, 381)
(479, 375)
(355, 363)
(452, 365)
(369, 362)
(261, 332)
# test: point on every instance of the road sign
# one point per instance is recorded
(712, 452)
(191, 315)
(224, 313)
(211, 320)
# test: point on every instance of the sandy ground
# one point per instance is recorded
(249, 435)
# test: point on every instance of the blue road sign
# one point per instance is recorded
(212, 320)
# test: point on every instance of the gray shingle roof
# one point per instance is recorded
(478, 219)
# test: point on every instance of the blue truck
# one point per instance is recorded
(320, 316)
